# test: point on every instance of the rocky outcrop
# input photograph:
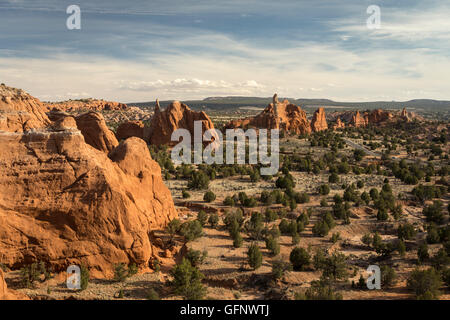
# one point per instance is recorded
(66, 202)
(85, 105)
(339, 124)
(379, 116)
(319, 121)
(358, 120)
(277, 115)
(19, 111)
(176, 116)
(6, 294)
(131, 129)
(95, 132)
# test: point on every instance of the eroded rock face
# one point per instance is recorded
(19, 111)
(66, 202)
(176, 116)
(358, 120)
(277, 115)
(93, 127)
(130, 129)
(319, 121)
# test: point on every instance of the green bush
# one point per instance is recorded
(202, 217)
(254, 256)
(196, 257)
(425, 284)
(209, 196)
(279, 268)
(272, 245)
(191, 230)
(300, 259)
(187, 281)
(213, 220)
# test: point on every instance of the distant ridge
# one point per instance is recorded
(234, 102)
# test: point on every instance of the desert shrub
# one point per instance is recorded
(422, 253)
(120, 272)
(191, 230)
(433, 212)
(187, 281)
(401, 248)
(254, 256)
(367, 239)
(323, 189)
(321, 229)
(333, 178)
(319, 290)
(441, 259)
(29, 274)
(446, 276)
(132, 270)
(302, 197)
(228, 201)
(199, 180)
(84, 281)
(237, 240)
(173, 227)
(270, 215)
(332, 266)
(300, 259)
(196, 257)
(335, 237)
(272, 245)
(185, 194)
(388, 276)
(213, 220)
(209, 196)
(406, 231)
(202, 217)
(303, 218)
(255, 226)
(425, 283)
(279, 268)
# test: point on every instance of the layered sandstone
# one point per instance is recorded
(176, 116)
(380, 116)
(277, 115)
(66, 202)
(319, 121)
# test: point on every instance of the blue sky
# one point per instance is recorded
(188, 49)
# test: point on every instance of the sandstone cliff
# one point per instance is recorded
(66, 202)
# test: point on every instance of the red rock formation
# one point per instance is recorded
(358, 120)
(130, 129)
(65, 202)
(85, 105)
(95, 132)
(19, 111)
(378, 116)
(339, 124)
(277, 115)
(319, 121)
(176, 116)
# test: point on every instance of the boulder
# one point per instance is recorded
(93, 127)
